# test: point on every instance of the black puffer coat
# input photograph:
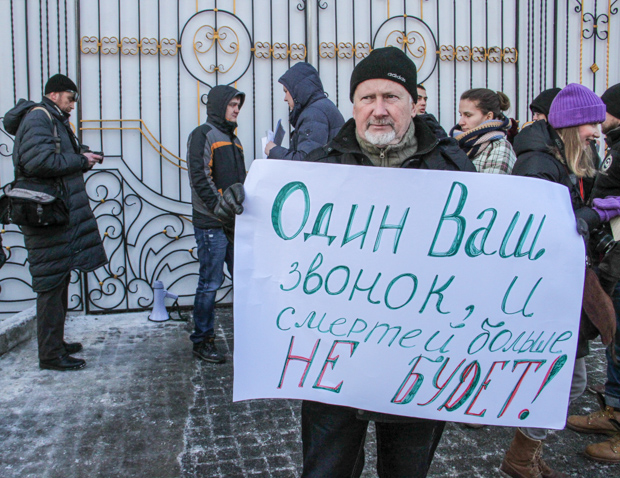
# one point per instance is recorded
(53, 252)
(315, 117)
(534, 147)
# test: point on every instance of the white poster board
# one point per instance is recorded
(445, 295)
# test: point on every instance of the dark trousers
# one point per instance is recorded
(52, 308)
(333, 444)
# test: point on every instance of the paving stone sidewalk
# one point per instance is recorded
(144, 407)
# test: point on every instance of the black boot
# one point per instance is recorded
(208, 352)
(63, 363)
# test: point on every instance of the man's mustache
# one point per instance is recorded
(380, 122)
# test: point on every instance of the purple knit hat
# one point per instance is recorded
(576, 105)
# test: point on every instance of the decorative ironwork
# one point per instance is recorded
(216, 38)
(4, 147)
(110, 45)
(129, 46)
(143, 243)
(213, 46)
(279, 51)
(597, 22)
(579, 6)
(477, 54)
(414, 37)
(148, 136)
(408, 43)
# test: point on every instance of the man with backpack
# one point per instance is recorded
(49, 158)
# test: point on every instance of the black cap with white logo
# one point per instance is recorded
(389, 63)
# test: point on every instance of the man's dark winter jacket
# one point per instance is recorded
(608, 180)
(432, 153)
(214, 157)
(315, 118)
(54, 251)
(534, 147)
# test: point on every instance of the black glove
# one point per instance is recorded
(230, 204)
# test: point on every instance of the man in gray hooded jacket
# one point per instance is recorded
(215, 162)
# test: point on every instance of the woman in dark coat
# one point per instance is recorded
(560, 151)
(315, 117)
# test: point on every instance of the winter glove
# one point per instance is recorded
(230, 204)
(607, 208)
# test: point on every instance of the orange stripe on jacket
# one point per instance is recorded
(219, 144)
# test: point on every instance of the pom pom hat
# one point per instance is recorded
(389, 63)
(576, 105)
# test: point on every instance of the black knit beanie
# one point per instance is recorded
(58, 83)
(542, 103)
(389, 63)
(611, 98)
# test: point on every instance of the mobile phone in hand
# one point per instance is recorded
(99, 153)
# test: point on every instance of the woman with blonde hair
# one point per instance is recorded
(481, 131)
(560, 151)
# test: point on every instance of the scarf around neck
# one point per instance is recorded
(477, 139)
(392, 155)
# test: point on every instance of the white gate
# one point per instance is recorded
(144, 68)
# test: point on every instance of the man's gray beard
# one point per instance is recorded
(380, 139)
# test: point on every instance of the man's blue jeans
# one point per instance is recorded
(612, 386)
(213, 250)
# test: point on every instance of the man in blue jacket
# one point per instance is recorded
(215, 162)
(315, 117)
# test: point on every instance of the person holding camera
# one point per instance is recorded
(607, 184)
(48, 157)
(560, 151)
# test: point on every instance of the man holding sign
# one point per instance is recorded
(384, 132)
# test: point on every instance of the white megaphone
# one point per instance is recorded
(160, 314)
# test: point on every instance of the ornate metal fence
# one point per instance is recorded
(144, 68)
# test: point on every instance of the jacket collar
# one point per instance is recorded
(55, 110)
(345, 141)
(613, 137)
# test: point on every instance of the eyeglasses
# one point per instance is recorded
(75, 97)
